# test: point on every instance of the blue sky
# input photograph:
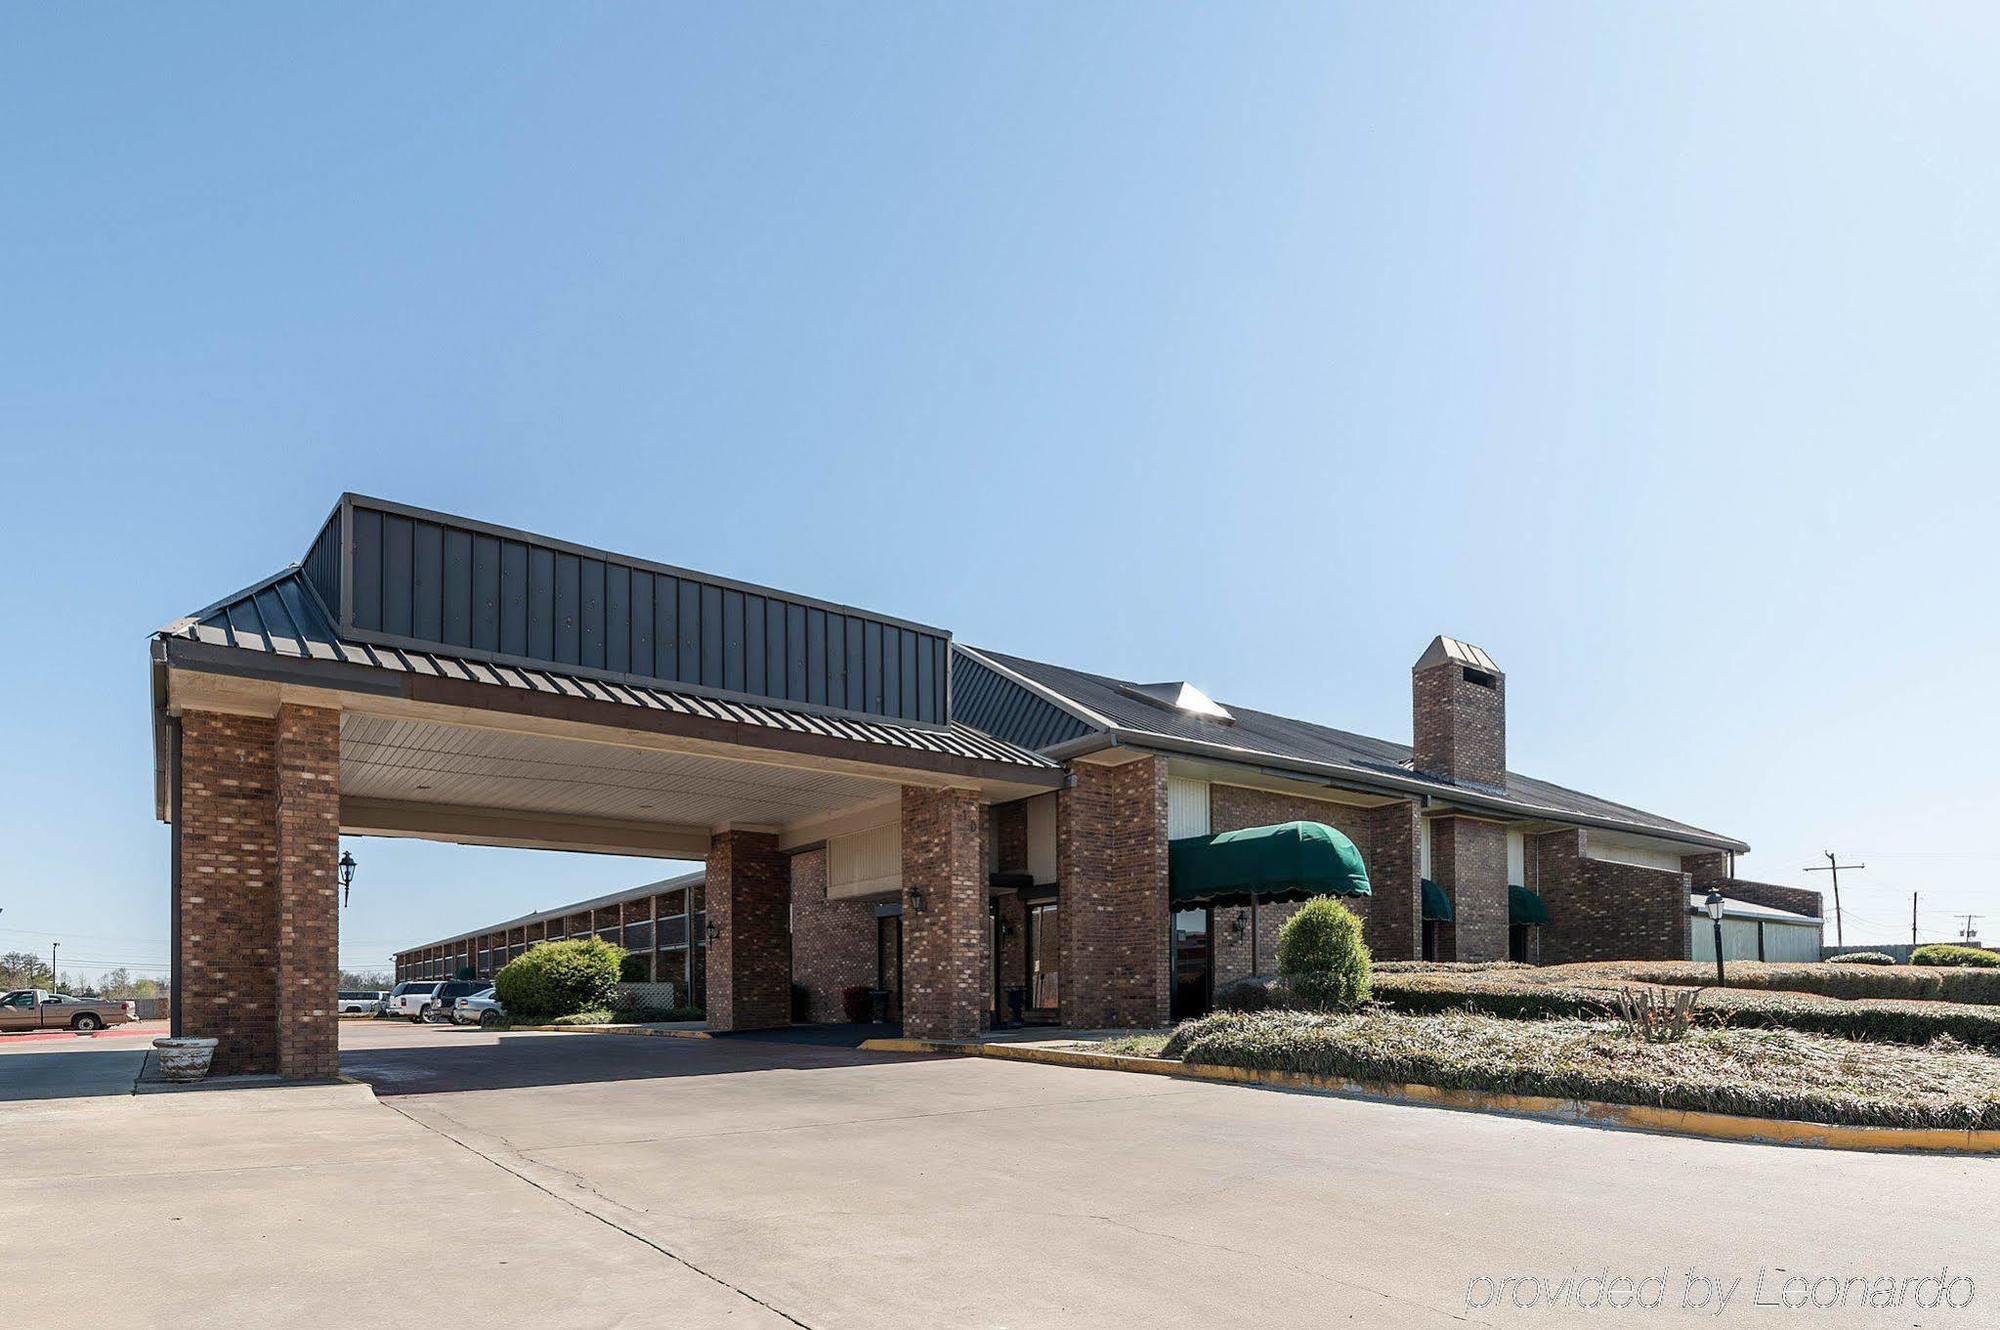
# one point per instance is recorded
(1650, 347)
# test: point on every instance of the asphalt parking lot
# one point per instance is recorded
(572, 1179)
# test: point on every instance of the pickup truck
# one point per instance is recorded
(39, 1009)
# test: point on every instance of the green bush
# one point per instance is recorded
(1255, 992)
(559, 979)
(1322, 958)
(1941, 953)
(1863, 958)
(588, 1016)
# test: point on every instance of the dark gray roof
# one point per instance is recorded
(282, 616)
(1275, 740)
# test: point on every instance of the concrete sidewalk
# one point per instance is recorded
(306, 1205)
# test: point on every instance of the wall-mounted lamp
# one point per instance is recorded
(346, 867)
(713, 932)
(919, 900)
(1239, 925)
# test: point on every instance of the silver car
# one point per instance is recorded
(481, 1008)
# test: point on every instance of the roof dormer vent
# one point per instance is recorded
(1180, 696)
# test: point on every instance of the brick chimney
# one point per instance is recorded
(1459, 714)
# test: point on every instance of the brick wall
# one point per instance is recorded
(1712, 870)
(945, 967)
(1459, 727)
(1013, 962)
(1387, 838)
(229, 901)
(307, 755)
(749, 967)
(833, 942)
(1010, 831)
(1111, 850)
(1469, 860)
(1601, 911)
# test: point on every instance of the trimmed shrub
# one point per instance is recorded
(1322, 958)
(1941, 953)
(1761, 1073)
(1447, 967)
(1863, 958)
(560, 979)
(1875, 1020)
(634, 969)
(1256, 992)
(857, 1004)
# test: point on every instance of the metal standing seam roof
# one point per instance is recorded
(644, 889)
(1737, 909)
(282, 616)
(1261, 734)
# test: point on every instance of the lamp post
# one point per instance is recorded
(346, 867)
(54, 981)
(1715, 917)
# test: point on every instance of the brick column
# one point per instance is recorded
(308, 769)
(750, 961)
(946, 982)
(1396, 908)
(228, 833)
(1469, 860)
(1111, 851)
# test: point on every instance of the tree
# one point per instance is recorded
(24, 969)
(1322, 957)
(372, 981)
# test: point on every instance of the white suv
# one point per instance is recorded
(413, 1000)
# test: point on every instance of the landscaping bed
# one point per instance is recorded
(1541, 995)
(1970, 984)
(1768, 1073)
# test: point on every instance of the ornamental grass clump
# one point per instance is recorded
(1322, 958)
(560, 979)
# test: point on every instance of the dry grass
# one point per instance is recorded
(1760, 1073)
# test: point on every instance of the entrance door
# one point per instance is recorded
(889, 962)
(1194, 962)
(1044, 958)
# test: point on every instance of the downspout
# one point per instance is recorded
(174, 876)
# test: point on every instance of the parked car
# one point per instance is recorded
(432, 1001)
(481, 1008)
(364, 1000)
(39, 1009)
(413, 999)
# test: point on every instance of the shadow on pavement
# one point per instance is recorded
(515, 1061)
(69, 1072)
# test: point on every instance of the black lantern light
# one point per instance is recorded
(1714, 904)
(346, 877)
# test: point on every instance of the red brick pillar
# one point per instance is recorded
(1469, 860)
(1396, 906)
(308, 771)
(946, 985)
(748, 896)
(228, 834)
(1111, 850)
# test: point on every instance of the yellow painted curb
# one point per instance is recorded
(614, 1029)
(1638, 1117)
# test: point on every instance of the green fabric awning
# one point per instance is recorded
(1290, 861)
(1437, 905)
(1525, 907)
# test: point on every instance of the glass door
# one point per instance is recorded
(1194, 957)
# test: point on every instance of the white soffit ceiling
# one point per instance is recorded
(423, 762)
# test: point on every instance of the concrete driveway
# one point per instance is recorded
(847, 1189)
(582, 1180)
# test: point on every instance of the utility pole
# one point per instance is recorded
(1913, 918)
(1834, 866)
